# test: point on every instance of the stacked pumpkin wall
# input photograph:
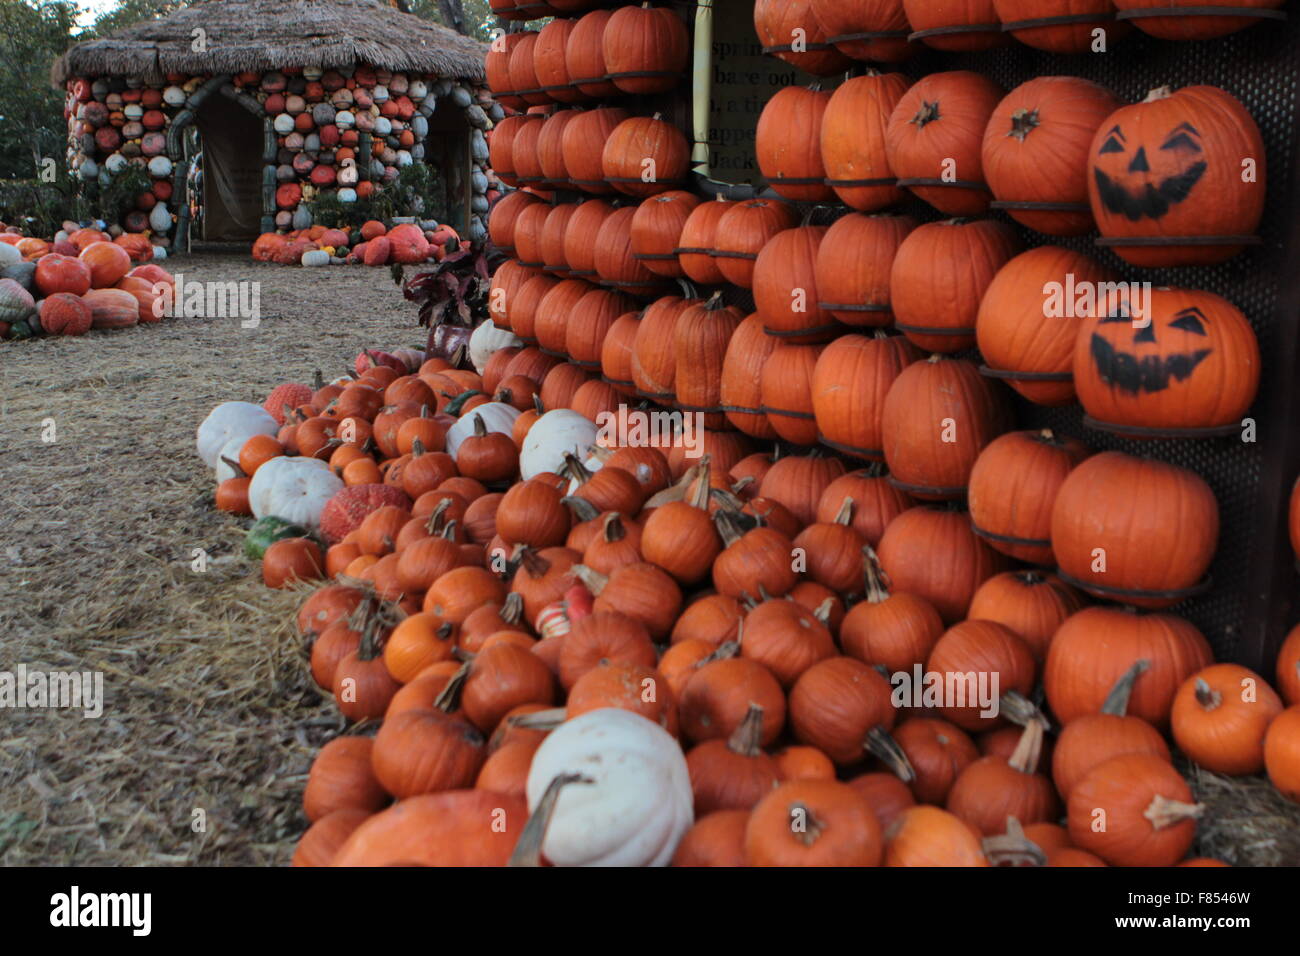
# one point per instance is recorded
(985, 128)
(345, 131)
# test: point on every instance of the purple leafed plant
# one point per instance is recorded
(453, 298)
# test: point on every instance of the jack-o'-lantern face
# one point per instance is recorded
(1152, 358)
(1138, 183)
(1166, 358)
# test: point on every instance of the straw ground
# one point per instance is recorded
(207, 704)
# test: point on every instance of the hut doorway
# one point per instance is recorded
(231, 139)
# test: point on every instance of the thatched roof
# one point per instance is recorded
(271, 34)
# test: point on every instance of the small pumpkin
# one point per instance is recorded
(1150, 819)
(1220, 716)
(813, 823)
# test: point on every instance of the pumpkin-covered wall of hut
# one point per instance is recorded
(245, 135)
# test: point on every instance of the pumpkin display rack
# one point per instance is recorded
(1235, 249)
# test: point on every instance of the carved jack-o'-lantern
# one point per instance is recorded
(1184, 165)
(1185, 359)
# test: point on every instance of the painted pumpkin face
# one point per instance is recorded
(1177, 165)
(1183, 359)
(1135, 185)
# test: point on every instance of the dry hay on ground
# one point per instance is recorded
(207, 703)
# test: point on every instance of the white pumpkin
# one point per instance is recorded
(497, 417)
(553, 435)
(638, 804)
(9, 255)
(485, 340)
(295, 489)
(232, 420)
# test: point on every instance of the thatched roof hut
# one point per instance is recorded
(275, 106)
(257, 35)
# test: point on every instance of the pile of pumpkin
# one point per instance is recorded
(82, 280)
(373, 244)
(653, 657)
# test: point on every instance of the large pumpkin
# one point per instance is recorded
(1198, 23)
(583, 143)
(741, 387)
(646, 49)
(695, 249)
(112, 308)
(1184, 359)
(853, 266)
(584, 55)
(968, 25)
(1013, 486)
(1178, 166)
(1068, 27)
(1035, 150)
(657, 228)
(741, 233)
(935, 555)
(1134, 529)
(873, 30)
(934, 137)
(645, 155)
(785, 387)
(791, 31)
(1094, 648)
(107, 263)
(580, 234)
(850, 381)
(939, 275)
(787, 144)
(65, 314)
(700, 338)
(1029, 317)
(936, 419)
(56, 273)
(853, 140)
(785, 287)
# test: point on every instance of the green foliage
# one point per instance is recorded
(419, 191)
(32, 34)
(119, 196)
(327, 211)
(40, 209)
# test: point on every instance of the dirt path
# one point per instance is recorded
(207, 706)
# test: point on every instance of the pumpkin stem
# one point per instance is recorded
(1164, 812)
(714, 302)
(528, 851)
(575, 469)
(582, 509)
(823, 611)
(1159, 93)
(547, 719)
(449, 698)
(811, 828)
(1116, 702)
(688, 290)
(513, 609)
(845, 514)
(742, 484)
(747, 737)
(728, 499)
(1013, 848)
(231, 463)
(928, 113)
(728, 525)
(1031, 578)
(417, 448)
(434, 524)
(532, 562)
(1028, 749)
(876, 590)
(881, 745)
(876, 469)
(727, 649)
(1207, 696)
(1023, 122)
(1019, 709)
(317, 381)
(592, 579)
(699, 492)
(613, 529)
(480, 429)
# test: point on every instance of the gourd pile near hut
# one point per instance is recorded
(653, 657)
(82, 280)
